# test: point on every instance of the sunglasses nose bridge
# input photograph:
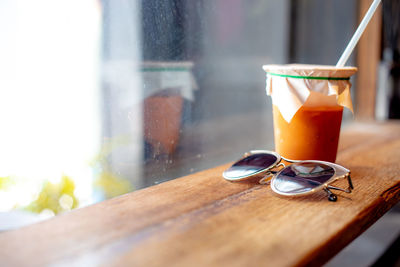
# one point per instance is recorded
(266, 179)
(281, 164)
(270, 173)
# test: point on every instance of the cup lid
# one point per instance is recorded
(311, 70)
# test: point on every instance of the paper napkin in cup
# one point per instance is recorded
(294, 85)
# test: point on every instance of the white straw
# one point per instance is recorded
(354, 40)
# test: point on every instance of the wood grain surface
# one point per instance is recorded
(203, 220)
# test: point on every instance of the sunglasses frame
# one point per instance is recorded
(270, 175)
(266, 170)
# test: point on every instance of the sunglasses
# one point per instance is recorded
(301, 177)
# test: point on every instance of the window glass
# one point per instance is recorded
(101, 98)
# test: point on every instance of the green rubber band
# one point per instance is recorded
(308, 77)
(158, 69)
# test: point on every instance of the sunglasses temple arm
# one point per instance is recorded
(350, 182)
(331, 196)
(348, 190)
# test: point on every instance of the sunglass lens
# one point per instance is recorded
(300, 178)
(250, 165)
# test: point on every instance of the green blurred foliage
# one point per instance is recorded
(60, 197)
(110, 184)
(5, 182)
(57, 197)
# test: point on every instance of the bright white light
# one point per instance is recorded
(49, 88)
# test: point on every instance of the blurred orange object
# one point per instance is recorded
(312, 134)
(162, 122)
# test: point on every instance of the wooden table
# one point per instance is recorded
(202, 220)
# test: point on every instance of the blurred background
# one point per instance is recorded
(99, 98)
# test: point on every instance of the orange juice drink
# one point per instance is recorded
(308, 103)
(313, 133)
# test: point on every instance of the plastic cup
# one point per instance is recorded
(312, 132)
